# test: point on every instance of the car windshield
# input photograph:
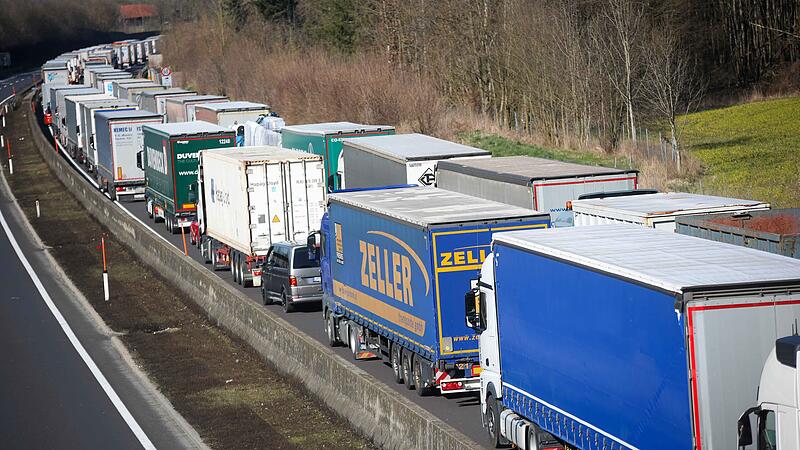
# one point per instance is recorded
(301, 260)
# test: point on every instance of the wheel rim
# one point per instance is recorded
(417, 376)
(396, 364)
(329, 326)
(353, 344)
(490, 422)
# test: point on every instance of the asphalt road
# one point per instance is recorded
(462, 412)
(20, 82)
(51, 394)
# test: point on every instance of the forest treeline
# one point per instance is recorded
(25, 23)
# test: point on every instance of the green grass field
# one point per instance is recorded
(750, 150)
(501, 146)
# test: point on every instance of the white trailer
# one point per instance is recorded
(537, 183)
(656, 210)
(118, 86)
(231, 114)
(155, 101)
(88, 127)
(252, 197)
(181, 109)
(399, 159)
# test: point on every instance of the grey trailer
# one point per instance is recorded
(118, 85)
(89, 110)
(155, 100)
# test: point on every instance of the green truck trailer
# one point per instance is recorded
(325, 139)
(170, 162)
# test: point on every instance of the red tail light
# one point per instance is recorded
(120, 188)
(452, 385)
(292, 280)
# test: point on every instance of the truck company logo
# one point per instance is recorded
(218, 195)
(427, 178)
(122, 129)
(389, 272)
(157, 160)
(464, 256)
(193, 155)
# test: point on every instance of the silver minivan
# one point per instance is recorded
(290, 276)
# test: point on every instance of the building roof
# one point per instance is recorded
(425, 206)
(524, 170)
(322, 129)
(662, 204)
(413, 147)
(189, 128)
(662, 259)
(137, 11)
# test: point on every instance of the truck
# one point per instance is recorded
(776, 231)
(170, 161)
(325, 139)
(625, 337)
(254, 197)
(87, 127)
(119, 85)
(657, 210)
(72, 114)
(156, 101)
(118, 139)
(133, 92)
(90, 73)
(181, 109)
(395, 263)
(399, 159)
(529, 182)
(55, 72)
(104, 81)
(62, 109)
(231, 115)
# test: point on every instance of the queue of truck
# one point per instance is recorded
(585, 312)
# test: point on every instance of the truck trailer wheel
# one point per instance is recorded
(232, 261)
(407, 375)
(492, 421)
(353, 338)
(330, 329)
(419, 380)
(397, 363)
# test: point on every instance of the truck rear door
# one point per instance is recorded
(305, 196)
(267, 204)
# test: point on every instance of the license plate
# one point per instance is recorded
(316, 279)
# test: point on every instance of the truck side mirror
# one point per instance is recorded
(744, 430)
(313, 246)
(472, 310)
(139, 163)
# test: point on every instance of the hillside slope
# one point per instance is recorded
(750, 150)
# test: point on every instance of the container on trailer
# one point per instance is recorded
(74, 117)
(132, 93)
(231, 114)
(170, 161)
(47, 93)
(105, 81)
(528, 182)
(88, 151)
(656, 210)
(119, 85)
(181, 109)
(396, 263)
(254, 197)
(155, 100)
(118, 141)
(325, 139)
(55, 72)
(619, 336)
(90, 73)
(62, 110)
(399, 159)
(774, 231)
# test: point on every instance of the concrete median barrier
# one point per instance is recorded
(372, 407)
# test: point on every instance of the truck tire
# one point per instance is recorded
(243, 272)
(353, 344)
(419, 381)
(492, 421)
(112, 191)
(330, 329)
(287, 305)
(232, 263)
(407, 375)
(397, 362)
(207, 246)
(264, 296)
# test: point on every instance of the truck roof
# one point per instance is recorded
(169, 91)
(523, 170)
(665, 260)
(322, 129)
(413, 147)
(188, 128)
(263, 154)
(764, 224)
(129, 114)
(234, 106)
(82, 91)
(106, 102)
(196, 98)
(663, 204)
(132, 81)
(425, 206)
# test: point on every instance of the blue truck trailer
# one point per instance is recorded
(624, 337)
(395, 264)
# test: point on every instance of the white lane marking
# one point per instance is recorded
(98, 375)
(142, 222)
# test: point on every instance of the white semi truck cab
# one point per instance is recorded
(774, 423)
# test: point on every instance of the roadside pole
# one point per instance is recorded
(10, 158)
(183, 235)
(105, 269)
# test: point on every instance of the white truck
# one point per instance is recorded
(542, 184)
(399, 159)
(231, 114)
(181, 109)
(657, 210)
(87, 126)
(252, 197)
(156, 101)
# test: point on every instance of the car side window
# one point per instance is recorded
(271, 257)
(282, 258)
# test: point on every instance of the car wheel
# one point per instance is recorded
(492, 421)
(264, 298)
(287, 305)
(407, 376)
(422, 391)
(397, 364)
(330, 329)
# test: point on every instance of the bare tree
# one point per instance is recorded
(670, 87)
